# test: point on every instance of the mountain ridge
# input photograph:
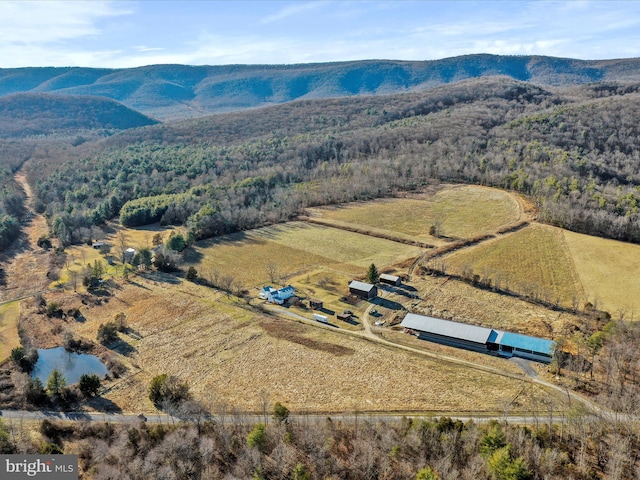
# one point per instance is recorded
(172, 91)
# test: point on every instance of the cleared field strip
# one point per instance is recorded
(464, 212)
(534, 261)
(295, 248)
(9, 339)
(609, 271)
(400, 238)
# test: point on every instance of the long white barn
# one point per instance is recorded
(479, 339)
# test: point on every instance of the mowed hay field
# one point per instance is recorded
(534, 261)
(233, 358)
(294, 248)
(609, 271)
(464, 211)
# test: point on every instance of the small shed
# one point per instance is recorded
(316, 304)
(128, 255)
(390, 279)
(363, 290)
(344, 317)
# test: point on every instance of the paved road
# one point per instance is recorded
(296, 419)
(85, 416)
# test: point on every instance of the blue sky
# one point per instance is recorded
(133, 33)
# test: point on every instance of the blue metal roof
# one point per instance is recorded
(524, 342)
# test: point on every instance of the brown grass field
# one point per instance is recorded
(459, 301)
(235, 358)
(295, 248)
(532, 260)
(609, 271)
(9, 339)
(465, 211)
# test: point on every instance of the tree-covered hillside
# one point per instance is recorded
(28, 114)
(171, 92)
(575, 154)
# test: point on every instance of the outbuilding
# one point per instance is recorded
(129, 253)
(479, 339)
(390, 279)
(363, 290)
(315, 304)
(454, 334)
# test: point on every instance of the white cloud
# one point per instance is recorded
(52, 32)
(32, 22)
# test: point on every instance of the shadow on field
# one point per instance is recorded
(122, 347)
(383, 302)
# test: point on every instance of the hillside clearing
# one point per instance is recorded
(294, 248)
(609, 271)
(534, 261)
(463, 211)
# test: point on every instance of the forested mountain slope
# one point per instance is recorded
(182, 91)
(29, 114)
(576, 154)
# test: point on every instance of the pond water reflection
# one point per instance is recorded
(72, 365)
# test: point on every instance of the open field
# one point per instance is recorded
(609, 271)
(231, 356)
(464, 211)
(461, 302)
(533, 261)
(294, 248)
(9, 339)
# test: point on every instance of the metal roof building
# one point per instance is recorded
(479, 339)
(390, 279)
(364, 290)
(447, 332)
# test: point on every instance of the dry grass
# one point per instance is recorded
(294, 248)
(461, 302)
(609, 271)
(534, 260)
(9, 338)
(231, 356)
(465, 211)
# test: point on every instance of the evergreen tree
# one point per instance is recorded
(56, 382)
(373, 276)
(89, 385)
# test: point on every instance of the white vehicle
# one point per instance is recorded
(320, 318)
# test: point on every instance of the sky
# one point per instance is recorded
(122, 34)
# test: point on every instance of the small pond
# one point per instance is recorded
(72, 365)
